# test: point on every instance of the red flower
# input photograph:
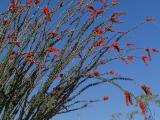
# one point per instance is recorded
(128, 98)
(114, 2)
(129, 43)
(28, 3)
(111, 72)
(98, 31)
(146, 89)
(144, 59)
(53, 33)
(28, 53)
(114, 17)
(29, 59)
(96, 72)
(115, 45)
(102, 40)
(98, 43)
(51, 49)
(94, 11)
(155, 50)
(47, 13)
(142, 107)
(148, 53)
(5, 21)
(105, 98)
(91, 9)
(36, 1)
(12, 5)
(130, 58)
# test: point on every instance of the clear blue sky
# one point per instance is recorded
(147, 35)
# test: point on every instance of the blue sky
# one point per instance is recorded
(148, 36)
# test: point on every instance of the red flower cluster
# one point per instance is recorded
(128, 98)
(28, 3)
(98, 31)
(28, 53)
(53, 33)
(142, 107)
(146, 89)
(114, 17)
(114, 2)
(130, 58)
(105, 98)
(148, 57)
(148, 53)
(98, 43)
(112, 72)
(144, 59)
(155, 50)
(51, 49)
(93, 11)
(47, 13)
(96, 72)
(5, 21)
(115, 45)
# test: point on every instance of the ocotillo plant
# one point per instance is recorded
(49, 51)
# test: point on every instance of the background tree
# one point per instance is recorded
(51, 52)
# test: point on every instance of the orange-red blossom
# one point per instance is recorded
(146, 89)
(128, 98)
(142, 107)
(47, 13)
